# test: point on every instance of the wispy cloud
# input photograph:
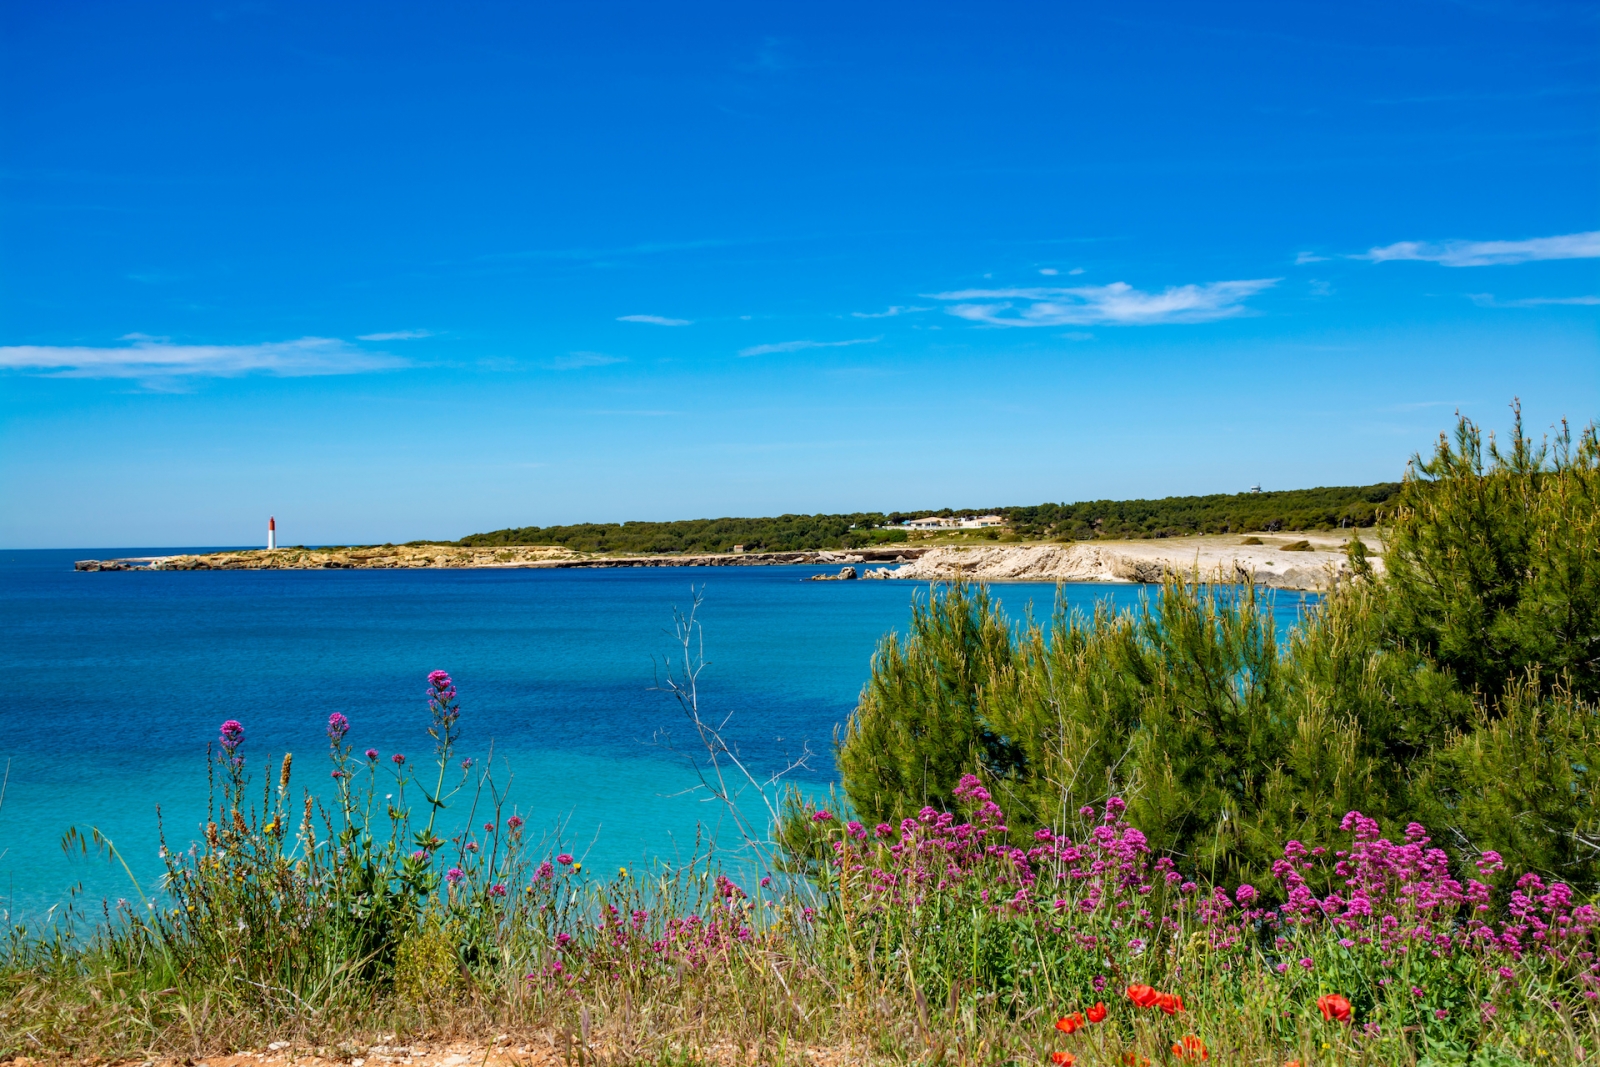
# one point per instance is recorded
(655, 320)
(580, 360)
(1487, 300)
(396, 335)
(1489, 253)
(897, 309)
(1117, 304)
(796, 346)
(1308, 257)
(158, 358)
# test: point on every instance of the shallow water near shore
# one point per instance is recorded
(117, 682)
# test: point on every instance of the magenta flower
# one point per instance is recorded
(1245, 894)
(372, 753)
(497, 890)
(565, 859)
(397, 759)
(515, 822)
(454, 875)
(232, 735)
(338, 726)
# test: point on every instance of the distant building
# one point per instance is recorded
(982, 522)
(1255, 489)
(738, 548)
(931, 522)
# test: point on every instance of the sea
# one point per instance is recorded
(117, 682)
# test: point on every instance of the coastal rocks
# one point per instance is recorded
(389, 557)
(1211, 558)
(847, 574)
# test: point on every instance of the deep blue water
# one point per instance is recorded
(117, 682)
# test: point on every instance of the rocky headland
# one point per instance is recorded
(1288, 561)
(1308, 561)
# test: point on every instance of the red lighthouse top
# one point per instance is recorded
(272, 523)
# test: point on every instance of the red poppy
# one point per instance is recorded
(1097, 1013)
(1334, 1007)
(1070, 1023)
(1063, 1059)
(1170, 1003)
(1143, 995)
(1130, 1060)
(1191, 1048)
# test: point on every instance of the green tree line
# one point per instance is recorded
(1456, 686)
(1293, 509)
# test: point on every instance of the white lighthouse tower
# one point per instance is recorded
(272, 533)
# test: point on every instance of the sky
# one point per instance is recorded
(402, 271)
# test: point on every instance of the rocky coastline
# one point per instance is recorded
(1303, 561)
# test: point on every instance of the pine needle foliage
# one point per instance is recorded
(1457, 689)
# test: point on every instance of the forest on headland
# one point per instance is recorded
(1290, 509)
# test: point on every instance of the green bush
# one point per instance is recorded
(1457, 690)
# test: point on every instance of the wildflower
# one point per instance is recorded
(1063, 1059)
(565, 859)
(338, 774)
(1097, 1012)
(1306, 963)
(1416, 991)
(488, 827)
(454, 875)
(1440, 1013)
(1244, 894)
(1070, 1023)
(338, 726)
(372, 753)
(766, 881)
(232, 735)
(497, 890)
(1334, 1007)
(1142, 995)
(514, 823)
(1099, 983)
(421, 856)
(397, 759)
(466, 764)
(1191, 1048)
(563, 940)
(822, 816)
(1170, 1003)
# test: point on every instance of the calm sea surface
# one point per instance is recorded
(117, 681)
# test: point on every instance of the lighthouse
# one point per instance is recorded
(272, 533)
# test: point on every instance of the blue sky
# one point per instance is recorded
(401, 271)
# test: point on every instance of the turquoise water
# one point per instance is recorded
(117, 681)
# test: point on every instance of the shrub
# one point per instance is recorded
(1387, 698)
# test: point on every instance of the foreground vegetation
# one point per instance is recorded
(1140, 839)
(1294, 509)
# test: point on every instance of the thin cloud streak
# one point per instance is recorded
(1487, 300)
(1489, 253)
(655, 320)
(580, 360)
(153, 358)
(893, 312)
(796, 346)
(397, 335)
(1117, 304)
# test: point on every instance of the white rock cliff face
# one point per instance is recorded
(1224, 558)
